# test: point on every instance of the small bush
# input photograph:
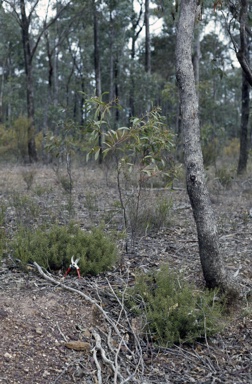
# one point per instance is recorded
(225, 177)
(232, 148)
(26, 209)
(149, 216)
(28, 177)
(175, 311)
(21, 127)
(53, 248)
(7, 141)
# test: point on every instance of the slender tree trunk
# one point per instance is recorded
(116, 76)
(135, 35)
(244, 51)
(132, 80)
(111, 58)
(212, 264)
(147, 50)
(196, 56)
(32, 152)
(97, 67)
(147, 37)
(243, 157)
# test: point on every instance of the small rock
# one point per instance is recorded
(3, 314)
(46, 373)
(78, 345)
(8, 356)
(39, 330)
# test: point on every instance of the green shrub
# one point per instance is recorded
(7, 141)
(175, 311)
(53, 248)
(26, 209)
(232, 149)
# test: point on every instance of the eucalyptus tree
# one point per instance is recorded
(25, 14)
(219, 93)
(11, 83)
(240, 20)
(213, 268)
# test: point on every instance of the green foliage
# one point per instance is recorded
(175, 311)
(62, 148)
(147, 139)
(141, 153)
(53, 248)
(232, 149)
(26, 209)
(7, 140)
(41, 190)
(21, 127)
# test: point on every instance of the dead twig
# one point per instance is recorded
(98, 347)
(82, 294)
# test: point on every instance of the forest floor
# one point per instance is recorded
(50, 334)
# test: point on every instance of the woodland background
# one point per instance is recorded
(74, 73)
(55, 56)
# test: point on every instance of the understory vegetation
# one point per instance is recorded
(37, 224)
(53, 248)
(173, 311)
(48, 230)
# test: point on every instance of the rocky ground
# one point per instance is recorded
(77, 330)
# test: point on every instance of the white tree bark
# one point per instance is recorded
(212, 264)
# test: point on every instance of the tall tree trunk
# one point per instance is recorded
(111, 57)
(244, 51)
(212, 264)
(32, 152)
(243, 157)
(147, 37)
(135, 34)
(241, 53)
(116, 76)
(147, 50)
(97, 68)
(196, 56)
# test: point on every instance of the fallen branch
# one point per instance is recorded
(82, 294)
(98, 346)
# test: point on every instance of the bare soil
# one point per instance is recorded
(49, 333)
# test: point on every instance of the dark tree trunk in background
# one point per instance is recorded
(212, 264)
(243, 157)
(24, 24)
(147, 50)
(116, 77)
(97, 68)
(147, 37)
(244, 53)
(135, 35)
(241, 53)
